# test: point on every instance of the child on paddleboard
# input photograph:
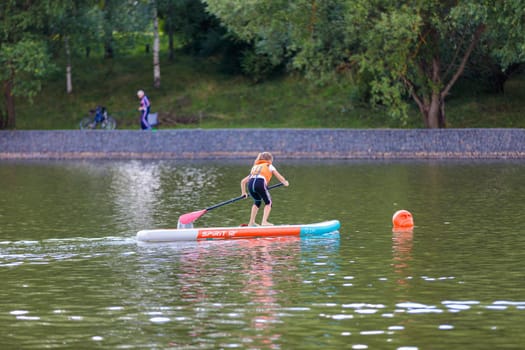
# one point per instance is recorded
(257, 181)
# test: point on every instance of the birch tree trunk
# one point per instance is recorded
(156, 47)
(69, 82)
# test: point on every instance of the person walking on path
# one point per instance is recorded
(144, 109)
(258, 180)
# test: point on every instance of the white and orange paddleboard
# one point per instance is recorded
(196, 234)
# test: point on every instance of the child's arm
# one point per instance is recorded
(280, 177)
(243, 186)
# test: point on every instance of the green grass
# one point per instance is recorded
(194, 94)
(473, 109)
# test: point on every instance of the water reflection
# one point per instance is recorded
(402, 244)
(203, 275)
(136, 189)
(153, 194)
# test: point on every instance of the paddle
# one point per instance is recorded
(189, 218)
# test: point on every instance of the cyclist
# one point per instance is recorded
(99, 116)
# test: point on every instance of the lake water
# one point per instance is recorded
(73, 276)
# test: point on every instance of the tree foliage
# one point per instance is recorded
(416, 49)
(201, 34)
(130, 19)
(23, 53)
(71, 29)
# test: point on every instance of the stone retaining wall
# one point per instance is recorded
(284, 143)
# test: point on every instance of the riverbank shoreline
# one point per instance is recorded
(283, 143)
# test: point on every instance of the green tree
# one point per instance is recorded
(502, 52)
(71, 27)
(24, 56)
(416, 49)
(131, 19)
(200, 33)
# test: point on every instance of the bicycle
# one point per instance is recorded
(100, 120)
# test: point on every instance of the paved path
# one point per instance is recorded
(284, 143)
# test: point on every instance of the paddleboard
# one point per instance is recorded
(196, 234)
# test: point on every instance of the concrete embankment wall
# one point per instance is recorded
(246, 143)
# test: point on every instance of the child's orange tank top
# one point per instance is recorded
(261, 168)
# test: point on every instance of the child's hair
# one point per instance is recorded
(265, 156)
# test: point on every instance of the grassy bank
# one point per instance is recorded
(195, 94)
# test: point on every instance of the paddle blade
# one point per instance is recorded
(191, 217)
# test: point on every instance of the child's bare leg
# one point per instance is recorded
(253, 214)
(266, 214)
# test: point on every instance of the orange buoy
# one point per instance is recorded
(402, 219)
